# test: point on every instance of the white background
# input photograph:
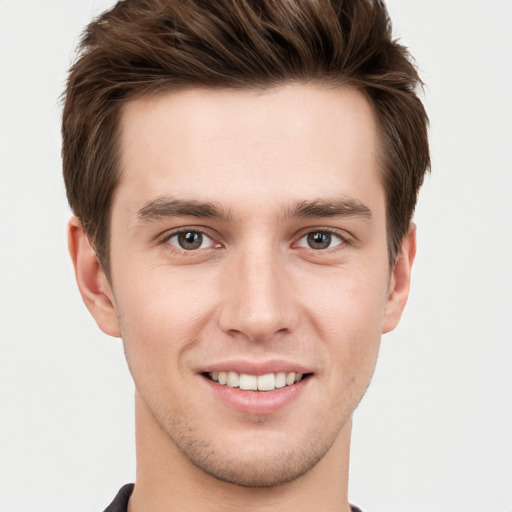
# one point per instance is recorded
(434, 432)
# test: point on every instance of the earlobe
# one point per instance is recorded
(92, 282)
(400, 281)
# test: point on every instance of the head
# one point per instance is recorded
(145, 47)
(245, 172)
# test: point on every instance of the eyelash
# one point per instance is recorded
(175, 234)
(330, 233)
(343, 240)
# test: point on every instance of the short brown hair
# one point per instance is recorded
(148, 46)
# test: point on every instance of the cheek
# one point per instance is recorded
(348, 303)
(348, 316)
(161, 312)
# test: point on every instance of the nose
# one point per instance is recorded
(258, 298)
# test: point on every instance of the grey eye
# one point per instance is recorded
(320, 240)
(190, 240)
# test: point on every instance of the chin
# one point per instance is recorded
(255, 459)
(261, 470)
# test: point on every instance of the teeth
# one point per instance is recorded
(280, 380)
(249, 382)
(233, 380)
(267, 382)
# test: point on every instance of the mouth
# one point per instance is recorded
(257, 388)
(248, 382)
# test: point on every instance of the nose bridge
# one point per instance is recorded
(258, 299)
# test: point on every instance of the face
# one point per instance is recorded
(248, 250)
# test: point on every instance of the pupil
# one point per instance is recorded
(190, 240)
(319, 240)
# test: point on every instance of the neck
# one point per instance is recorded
(168, 481)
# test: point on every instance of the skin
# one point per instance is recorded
(256, 289)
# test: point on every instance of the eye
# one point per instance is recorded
(190, 240)
(320, 240)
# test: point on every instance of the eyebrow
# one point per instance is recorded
(344, 207)
(166, 207)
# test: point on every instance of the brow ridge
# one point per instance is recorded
(163, 207)
(344, 207)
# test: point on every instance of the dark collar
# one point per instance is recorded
(120, 503)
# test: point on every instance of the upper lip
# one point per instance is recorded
(256, 367)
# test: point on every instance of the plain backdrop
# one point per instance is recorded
(434, 433)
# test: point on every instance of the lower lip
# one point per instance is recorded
(257, 402)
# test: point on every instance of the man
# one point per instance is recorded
(243, 176)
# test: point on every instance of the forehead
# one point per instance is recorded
(249, 148)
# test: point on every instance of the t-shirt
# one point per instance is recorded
(120, 503)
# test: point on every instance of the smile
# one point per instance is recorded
(247, 382)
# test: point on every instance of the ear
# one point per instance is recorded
(400, 281)
(92, 282)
